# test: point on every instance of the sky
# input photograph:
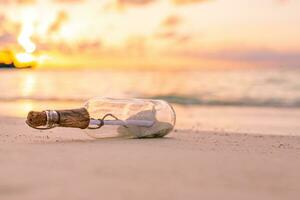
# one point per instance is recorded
(172, 34)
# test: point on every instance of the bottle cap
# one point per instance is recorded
(76, 118)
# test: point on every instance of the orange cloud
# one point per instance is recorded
(136, 45)
(8, 31)
(168, 30)
(21, 2)
(88, 46)
(68, 1)
(61, 18)
(282, 1)
(165, 35)
(171, 21)
(184, 38)
(173, 36)
(120, 5)
(65, 48)
(184, 2)
(7, 38)
(26, 1)
(135, 2)
(2, 19)
(251, 56)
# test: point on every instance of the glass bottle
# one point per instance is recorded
(138, 118)
(133, 117)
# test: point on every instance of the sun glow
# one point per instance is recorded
(24, 38)
(28, 58)
(24, 57)
(26, 43)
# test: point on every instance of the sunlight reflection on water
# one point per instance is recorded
(28, 84)
(255, 87)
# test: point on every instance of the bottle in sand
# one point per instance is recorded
(137, 118)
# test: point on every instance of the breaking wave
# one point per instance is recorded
(182, 100)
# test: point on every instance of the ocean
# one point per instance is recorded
(259, 87)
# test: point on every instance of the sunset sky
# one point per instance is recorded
(152, 33)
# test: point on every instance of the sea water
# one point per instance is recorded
(267, 87)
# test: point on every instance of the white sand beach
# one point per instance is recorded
(213, 153)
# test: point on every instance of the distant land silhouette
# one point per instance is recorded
(11, 66)
(8, 61)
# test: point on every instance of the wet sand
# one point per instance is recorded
(214, 153)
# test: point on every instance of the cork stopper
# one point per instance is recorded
(36, 119)
(75, 118)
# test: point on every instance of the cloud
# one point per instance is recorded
(61, 18)
(167, 27)
(21, 2)
(67, 48)
(282, 1)
(257, 55)
(185, 2)
(7, 38)
(2, 20)
(88, 46)
(8, 31)
(120, 5)
(173, 36)
(184, 38)
(136, 45)
(168, 30)
(134, 2)
(171, 21)
(165, 35)
(68, 1)
(262, 55)
(25, 1)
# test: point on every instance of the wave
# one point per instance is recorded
(182, 100)
(187, 100)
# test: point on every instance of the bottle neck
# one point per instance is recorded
(75, 118)
(52, 118)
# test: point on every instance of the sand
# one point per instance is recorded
(213, 153)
